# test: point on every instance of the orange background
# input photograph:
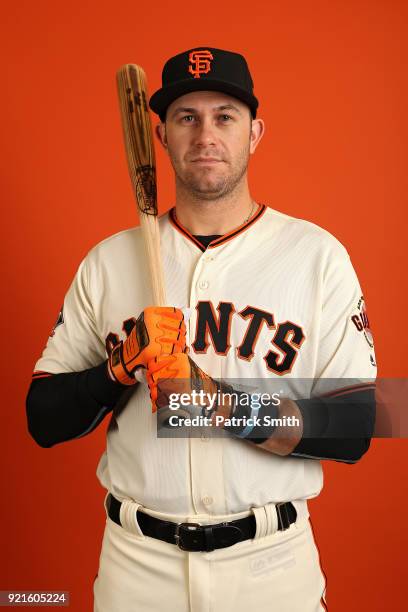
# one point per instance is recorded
(331, 78)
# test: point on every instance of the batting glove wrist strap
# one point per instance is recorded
(157, 332)
(252, 419)
(117, 368)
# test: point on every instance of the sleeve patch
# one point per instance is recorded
(59, 321)
(360, 320)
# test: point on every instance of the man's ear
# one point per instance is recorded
(257, 131)
(161, 134)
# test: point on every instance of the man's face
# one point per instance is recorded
(209, 137)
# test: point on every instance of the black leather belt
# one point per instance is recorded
(194, 537)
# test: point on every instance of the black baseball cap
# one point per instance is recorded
(204, 69)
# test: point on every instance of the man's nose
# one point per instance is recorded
(204, 134)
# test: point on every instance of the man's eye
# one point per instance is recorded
(187, 118)
(225, 118)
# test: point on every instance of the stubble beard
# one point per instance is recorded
(204, 184)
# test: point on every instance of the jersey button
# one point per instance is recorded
(203, 284)
(204, 438)
(207, 500)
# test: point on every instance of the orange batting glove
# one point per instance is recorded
(179, 374)
(158, 331)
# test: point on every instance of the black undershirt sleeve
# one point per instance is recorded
(64, 406)
(337, 428)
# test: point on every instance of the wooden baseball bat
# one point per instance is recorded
(137, 133)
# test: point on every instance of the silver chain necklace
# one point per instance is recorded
(244, 221)
(250, 213)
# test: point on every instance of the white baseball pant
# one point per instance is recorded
(277, 571)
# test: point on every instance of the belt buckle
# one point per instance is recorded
(177, 536)
(285, 522)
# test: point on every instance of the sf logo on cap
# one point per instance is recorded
(200, 62)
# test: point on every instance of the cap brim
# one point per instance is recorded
(161, 99)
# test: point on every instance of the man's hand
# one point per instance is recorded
(178, 374)
(158, 331)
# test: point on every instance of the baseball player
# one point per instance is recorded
(211, 522)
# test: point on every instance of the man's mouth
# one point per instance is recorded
(206, 160)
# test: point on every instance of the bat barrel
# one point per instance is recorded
(137, 134)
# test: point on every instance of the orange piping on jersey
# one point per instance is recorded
(239, 229)
(349, 390)
(184, 231)
(176, 223)
(40, 374)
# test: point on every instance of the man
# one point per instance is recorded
(212, 522)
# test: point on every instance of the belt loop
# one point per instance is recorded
(271, 519)
(128, 517)
(266, 520)
(260, 519)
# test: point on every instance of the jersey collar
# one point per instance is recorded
(229, 236)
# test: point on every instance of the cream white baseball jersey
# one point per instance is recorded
(275, 298)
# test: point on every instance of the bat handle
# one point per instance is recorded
(150, 229)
